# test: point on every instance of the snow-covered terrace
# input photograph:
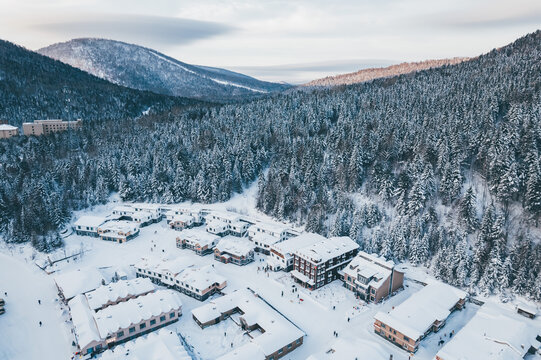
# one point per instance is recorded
(120, 290)
(327, 249)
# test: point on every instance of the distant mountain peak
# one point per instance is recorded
(376, 73)
(143, 68)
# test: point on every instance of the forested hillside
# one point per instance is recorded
(33, 86)
(440, 167)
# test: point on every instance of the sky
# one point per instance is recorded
(279, 40)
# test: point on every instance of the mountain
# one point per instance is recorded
(33, 86)
(376, 73)
(142, 68)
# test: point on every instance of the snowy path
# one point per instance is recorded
(21, 337)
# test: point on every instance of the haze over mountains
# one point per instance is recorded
(380, 72)
(142, 68)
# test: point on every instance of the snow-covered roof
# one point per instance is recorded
(160, 345)
(86, 329)
(78, 281)
(496, 333)
(133, 311)
(266, 239)
(183, 218)
(419, 312)
(90, 326)
(174, 266)
(277, 331)
(200, 278)
(119, 290)
(90, 221)
(369, 266)
(7, 127)
(327, 249)
(291, 245)
(235, 245)
(268, 228)
(349, 350)
(198, 236)
(223, 215)
(124, 208)
(123, 226)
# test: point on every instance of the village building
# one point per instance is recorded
(181, 222)
(496, 333)
(350, 349)
(226, 223)
(139, 214)
(119, 231)
(372, 278)
(88, 225)
(197, 214)
(319, 264)
(200, 241)
(46, 127)
(181, 275)
(200, 282)
(271, 335)
(282, 253)
(527, 310)
(424, 312)
(280, 232)
(7, 131)
(159, 345)
(72, 283)
(235, 250)
(117, 292)
(116, 324)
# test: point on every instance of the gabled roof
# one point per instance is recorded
(121, 289)
(78, 281)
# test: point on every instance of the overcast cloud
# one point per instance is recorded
(318, 37)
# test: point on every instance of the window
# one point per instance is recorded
(120, 334)
(132, 330)
(152, 322)
(289, 346)
(142, 326)
(280, 351)
(298, 341)
(406, 338)
(172, 315)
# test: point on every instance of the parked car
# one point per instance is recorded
(2, 310)
(2, 302)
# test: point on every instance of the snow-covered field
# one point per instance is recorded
(319, 313)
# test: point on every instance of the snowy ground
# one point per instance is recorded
(318, 313)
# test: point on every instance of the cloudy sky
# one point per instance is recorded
(279, 40)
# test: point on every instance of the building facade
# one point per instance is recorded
(120, 231)
(46, 127)
(238, 251)
(7, 131)
(201, 242)
(319, 264)
(371, 277)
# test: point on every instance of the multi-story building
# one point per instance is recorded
(46, 127)
(181, 222)
(371, 277)
(226, 223)
(88, 225)
(119, 231)
(280, 232)
(115, 324)
(424, 312)
(273, 335)
(239, 251)
(197, 282)
(319, 264)
(197, 214)
(200, 241)
(282, 253)
(141, 215)
(7, 131)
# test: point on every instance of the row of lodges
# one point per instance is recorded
(39, 127)
(181, 275)
(272, 336)
(119, 231)
(125, 320)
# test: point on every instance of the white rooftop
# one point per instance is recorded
(278, 331)
(291, 245)
(496, 333)
(417, 314)
(183, 218)
(198, 236)
(268, 227)
(368, 266)
(119, 226)
(160, 345)
(266, 239)
(124, 208)
(235, 245)
(121, 289)
(351, 350)
(327, 249)
(226, 215)
(7, 127)
(200, 278)
(86, 329)
(78, 281)
(90, 221)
